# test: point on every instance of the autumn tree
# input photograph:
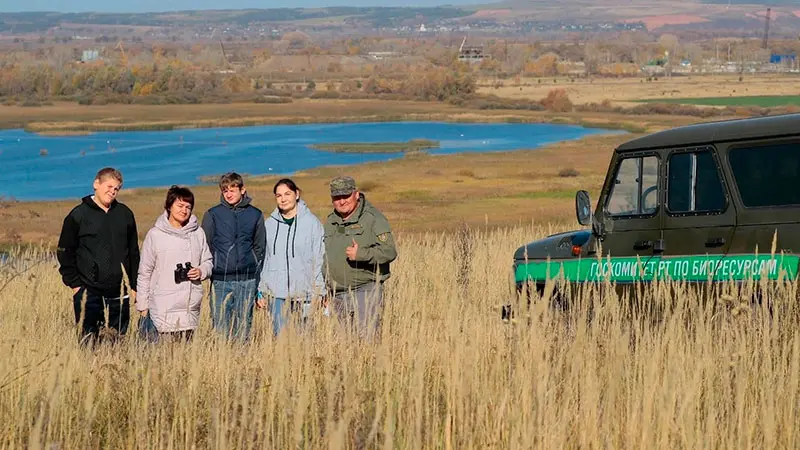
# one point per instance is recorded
(557, 100)
(543, 66)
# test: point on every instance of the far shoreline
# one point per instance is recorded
(68, 129)
(68, 119)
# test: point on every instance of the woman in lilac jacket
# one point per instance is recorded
(175, 258)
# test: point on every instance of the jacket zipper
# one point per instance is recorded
(235, 242)
(107, 228)
(191, 256)
(288, 274)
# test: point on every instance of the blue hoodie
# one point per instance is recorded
(295, 256)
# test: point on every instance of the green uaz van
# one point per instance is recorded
(700, 203)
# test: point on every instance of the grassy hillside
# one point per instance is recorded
(446, 372)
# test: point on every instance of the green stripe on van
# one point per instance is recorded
(687, 268)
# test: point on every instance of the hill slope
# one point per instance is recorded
(655, 14)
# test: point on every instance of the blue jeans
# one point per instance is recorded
(280, 315)
(147, 329)
(232, 304)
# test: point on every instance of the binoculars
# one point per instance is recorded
(182, 272)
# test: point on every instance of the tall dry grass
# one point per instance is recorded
(447, 373)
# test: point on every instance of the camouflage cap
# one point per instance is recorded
(342, 186)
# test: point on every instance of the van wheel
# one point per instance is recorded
(535, 292)
(526, 294)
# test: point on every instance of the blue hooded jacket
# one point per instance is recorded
(235, 235)
(295, 256)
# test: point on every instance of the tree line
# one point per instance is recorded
(184, 83)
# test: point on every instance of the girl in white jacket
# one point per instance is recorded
(292, 274)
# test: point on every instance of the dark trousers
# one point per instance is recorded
(94, 326)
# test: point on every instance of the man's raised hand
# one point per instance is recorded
(352, 251)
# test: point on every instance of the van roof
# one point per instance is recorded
(718, 131)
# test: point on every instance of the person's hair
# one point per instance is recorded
(230, 179)
(177, 192)
(289, 183)
(108, 172)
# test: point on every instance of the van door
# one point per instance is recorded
(631, 216)
(700, 216)
(766, 176)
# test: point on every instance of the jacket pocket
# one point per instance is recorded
(276, 277)
(354, 231)
(357, 234)
(196, 297)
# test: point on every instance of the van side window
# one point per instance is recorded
(767, 175)
(694, 184)
(635, 190)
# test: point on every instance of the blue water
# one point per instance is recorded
(162, 158)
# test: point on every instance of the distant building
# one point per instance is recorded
(90, 55)
(788, 59)
(470, 53)
(382, 55)
(781, 63)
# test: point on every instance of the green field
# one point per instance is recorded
(765, 101)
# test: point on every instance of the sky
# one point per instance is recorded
(172, 5)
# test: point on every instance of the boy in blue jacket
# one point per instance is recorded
(236, 236)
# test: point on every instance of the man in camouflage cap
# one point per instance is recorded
(358, 250)
(342, 186)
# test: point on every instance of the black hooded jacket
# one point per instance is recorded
(94, 246)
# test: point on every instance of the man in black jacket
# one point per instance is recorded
(98, 241)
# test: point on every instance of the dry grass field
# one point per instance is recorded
(446, 372)
(69, 118)
(624, 91)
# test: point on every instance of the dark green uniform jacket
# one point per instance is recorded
(376, 248)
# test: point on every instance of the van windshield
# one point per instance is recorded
(767, 175)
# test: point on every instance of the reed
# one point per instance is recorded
(414, 145)
(683, 369)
